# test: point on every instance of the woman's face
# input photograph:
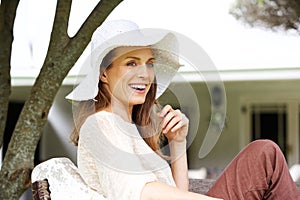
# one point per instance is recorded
(130, 75)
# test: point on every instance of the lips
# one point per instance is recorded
(139, 88)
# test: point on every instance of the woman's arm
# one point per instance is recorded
(175, 127)
(179, 165)
(161, 191)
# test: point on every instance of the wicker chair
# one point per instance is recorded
(40, 190)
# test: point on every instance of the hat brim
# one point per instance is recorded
(165, 50)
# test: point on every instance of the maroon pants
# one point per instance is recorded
(258, 172)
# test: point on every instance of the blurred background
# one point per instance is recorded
(258, 70)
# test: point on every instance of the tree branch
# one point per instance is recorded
(62, 54)
(60, 24)
(95, 19)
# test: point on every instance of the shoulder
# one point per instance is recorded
(95, 127)
(99, 117)
(97, 122)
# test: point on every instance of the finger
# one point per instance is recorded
(172, 119)
(166, 109)
(170, 115)
(166, 120)
(183, 122)
(175, 122)
(178, 126)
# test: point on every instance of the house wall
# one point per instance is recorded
(233, 137)
(55, 141)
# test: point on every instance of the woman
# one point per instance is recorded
(119, 127)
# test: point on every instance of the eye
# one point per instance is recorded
(150, 64)
(131, 63)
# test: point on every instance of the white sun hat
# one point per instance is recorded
(117, 33)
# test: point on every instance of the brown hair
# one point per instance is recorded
(142, 115)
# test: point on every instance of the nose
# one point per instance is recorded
(144, 71)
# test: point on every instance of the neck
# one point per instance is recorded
(119, 108)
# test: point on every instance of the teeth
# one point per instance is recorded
(138, 87)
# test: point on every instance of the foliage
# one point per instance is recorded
(273, 14)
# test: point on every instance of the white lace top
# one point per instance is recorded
(114, 160)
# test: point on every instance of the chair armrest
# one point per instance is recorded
(40, 190)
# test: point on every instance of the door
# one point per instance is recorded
(269, 121)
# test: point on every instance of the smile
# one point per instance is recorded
(140, 88)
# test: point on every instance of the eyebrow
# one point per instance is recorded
(137, 58)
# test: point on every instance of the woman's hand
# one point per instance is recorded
(174, 124)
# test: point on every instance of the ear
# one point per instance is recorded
(103, 78)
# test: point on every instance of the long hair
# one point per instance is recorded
(142, 115)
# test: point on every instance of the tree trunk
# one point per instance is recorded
(62, 54)
(7, 17)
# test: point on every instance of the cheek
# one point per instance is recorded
(115, 77)
(151, 74)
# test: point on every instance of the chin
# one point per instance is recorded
(137, 101)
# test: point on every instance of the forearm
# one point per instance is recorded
(160, 191)
(179, 165)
